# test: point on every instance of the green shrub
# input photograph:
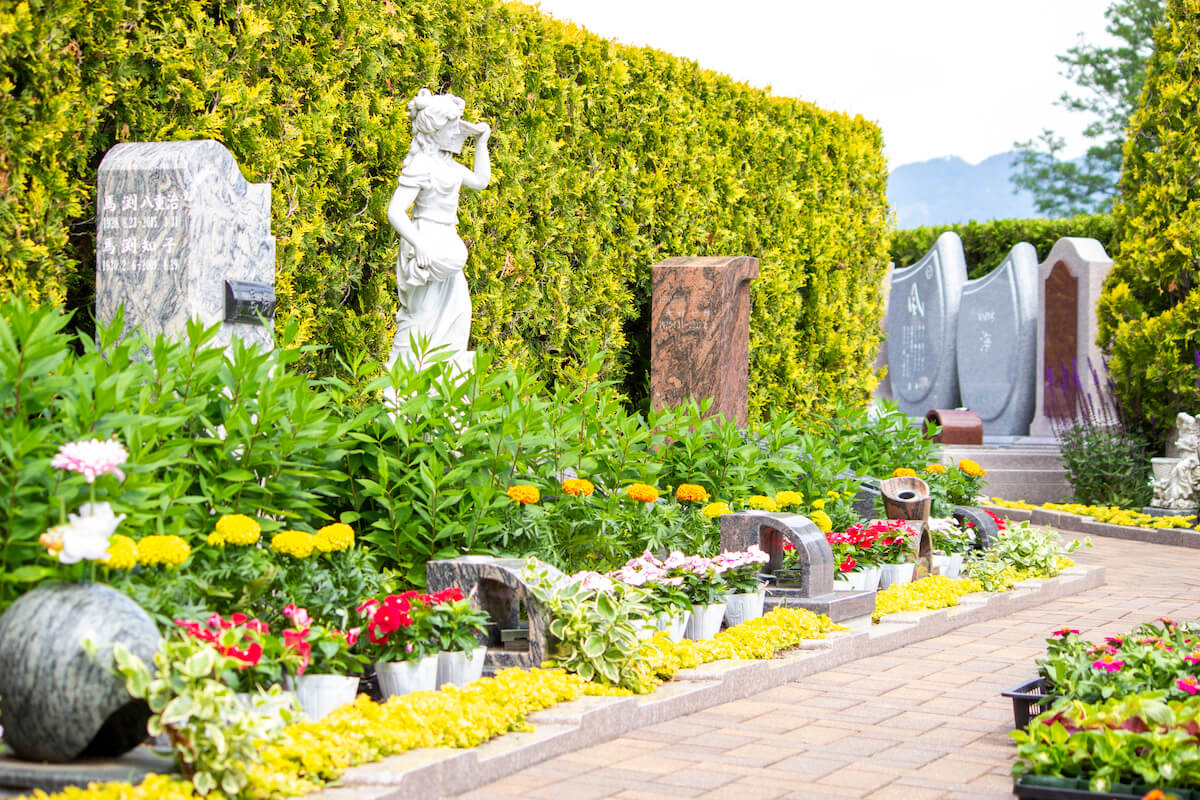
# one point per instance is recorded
(986, 244)
(606, 159)
(1150, 303)
(1107, 466)
(875, 441)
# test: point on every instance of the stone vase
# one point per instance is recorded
(705, 621)
(403, 677)
(744, 606)
(674, 624)
(460, 668)
(319, 695)
(890, 574)
(57, 700)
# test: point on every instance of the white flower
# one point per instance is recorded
(92, 458)
(87, 532)
(593, 581)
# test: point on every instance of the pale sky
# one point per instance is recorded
(940, 77)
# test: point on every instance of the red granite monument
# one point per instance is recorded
(700, 333)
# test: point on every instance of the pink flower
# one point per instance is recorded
(299, 616)
(1194, 658)
(1064, 632)
(1108, 664)
(593, 581)
(368, 607)
(92, 458)
(1115, 641)
(1189, 684)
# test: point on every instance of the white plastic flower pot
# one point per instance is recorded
(674, 624)
(895, 573)
(956, 563)
(402, 677)
(319, 695)
(939, 564)
(871, 578)
(744, 606)
(705, 621)
(460, 668)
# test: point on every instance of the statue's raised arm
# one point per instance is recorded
(434, 302)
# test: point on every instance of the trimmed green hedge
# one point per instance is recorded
(1150, 304)
(606, 159)
(986, 244)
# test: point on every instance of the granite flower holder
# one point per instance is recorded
(60, 695)
(403, 677)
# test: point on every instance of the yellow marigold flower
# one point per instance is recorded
(936, 469)
(822, 520)
(642, 492)
(714, 510)
(335, 537)
(235, 529)
(297, 544)
(835, 495)
(691, 493)
(580, 487)
(760, 502)
(904, 472)
(524, 494)
(819, 503)
(165, 551)
(122, 553)
(971, 468)
(788, 498)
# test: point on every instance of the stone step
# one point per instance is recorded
(1034, 474)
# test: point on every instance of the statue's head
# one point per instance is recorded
(435, 121)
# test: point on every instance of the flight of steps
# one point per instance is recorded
(1021, 471)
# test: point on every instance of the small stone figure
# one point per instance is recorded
(1177, 491)
(434, 300)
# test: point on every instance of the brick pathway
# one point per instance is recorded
(922, 722)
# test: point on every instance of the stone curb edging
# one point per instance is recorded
(588, 721)
(1077, 523)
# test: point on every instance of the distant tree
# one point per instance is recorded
(1112, 78)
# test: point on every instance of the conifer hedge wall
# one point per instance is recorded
(606, 159)
(986, 244)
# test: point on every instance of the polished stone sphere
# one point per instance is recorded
(57, 701)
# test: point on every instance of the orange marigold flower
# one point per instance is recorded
(524, 494)
(936, 469)
(904, 472)
(691, 493)
(642, 493)
(971, 468)
(578, 486)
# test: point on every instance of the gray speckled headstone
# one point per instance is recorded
(497, 586)
(997, 344)
(922, 319)
(58, 701)
(175, 221)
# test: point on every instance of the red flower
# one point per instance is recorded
(848, 564)
(295, 640)
(787, 545)
(368, 607)
(238, 618)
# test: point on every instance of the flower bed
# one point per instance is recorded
(932, 592)
(1109, 514)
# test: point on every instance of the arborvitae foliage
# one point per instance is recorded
(1151, 301)
(606, 159)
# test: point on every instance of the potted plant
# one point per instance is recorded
(400, 632)
(746, 590)
(328, 674)
(664, 595)
(895, 550)
(704, 584)
(855, 558)
(456, 628)
(951, 543)
(260, 661)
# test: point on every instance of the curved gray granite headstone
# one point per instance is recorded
(997, 344)
(922, 320)
(175, 221)
(769, 532)
(59, 702)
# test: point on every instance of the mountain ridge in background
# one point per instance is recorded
(948, 190)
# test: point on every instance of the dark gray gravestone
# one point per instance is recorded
(180, 234)
(922, 319)
(815, 562)
(497, 586)
(997, 344)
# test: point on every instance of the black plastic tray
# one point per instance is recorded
(1076, 789)
(1029, 699)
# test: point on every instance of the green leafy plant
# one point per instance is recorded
(1028, 549)
(872, 441)
(213, 734)
(1107, 466)
(594, 626)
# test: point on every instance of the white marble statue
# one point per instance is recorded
(1177, 490)
(435, 303)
